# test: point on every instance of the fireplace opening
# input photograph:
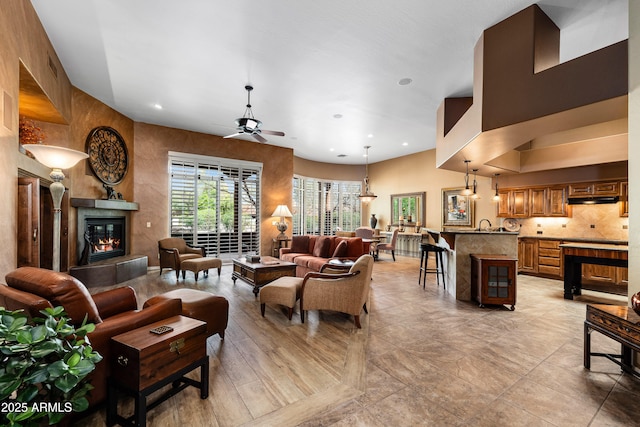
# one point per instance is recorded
(103, 238)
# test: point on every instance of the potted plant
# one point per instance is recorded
(43, 367)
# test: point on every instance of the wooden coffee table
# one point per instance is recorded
(260, 273)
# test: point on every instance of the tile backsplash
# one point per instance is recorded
(586, 221)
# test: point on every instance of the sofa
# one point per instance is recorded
(310, 252)
(113, 312)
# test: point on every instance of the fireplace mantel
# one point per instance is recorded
(120, 205)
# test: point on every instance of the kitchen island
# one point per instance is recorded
(463, 243)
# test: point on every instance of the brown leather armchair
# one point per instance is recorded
(113, 312)
(174, 250)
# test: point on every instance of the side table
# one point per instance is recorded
(279, 243)
(143, 362)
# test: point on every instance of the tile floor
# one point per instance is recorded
(421, 358)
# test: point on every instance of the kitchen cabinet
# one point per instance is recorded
(624, 199)
(538, 201)
(513, 203)
(493, 279)
(550, 258)
(605, 188)
(557, 201)
(527, 255)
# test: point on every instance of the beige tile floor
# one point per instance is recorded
(421, 358)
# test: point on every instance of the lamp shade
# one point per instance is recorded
(55, 157)
(282, 211)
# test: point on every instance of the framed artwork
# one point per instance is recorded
(457, 208)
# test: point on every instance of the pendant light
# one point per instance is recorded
(475, 194)
(467, 190)
(366, 195)
(496, 197)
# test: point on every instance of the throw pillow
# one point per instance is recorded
(341, 250)
(322, 247)
(300, 244)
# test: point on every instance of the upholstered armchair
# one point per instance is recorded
(344, 292)
(174, 250)
(113, 312)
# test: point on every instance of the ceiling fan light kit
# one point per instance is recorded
(249, 125)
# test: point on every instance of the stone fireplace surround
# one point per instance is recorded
(112, 270)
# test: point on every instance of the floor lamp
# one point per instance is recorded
(56, 158)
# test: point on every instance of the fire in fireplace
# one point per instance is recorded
(103, 238)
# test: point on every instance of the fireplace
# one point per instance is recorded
(103, 238)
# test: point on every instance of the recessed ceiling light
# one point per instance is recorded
(337, 116)
(157, 106)
(370, 135)
(405, 144)
(331, 149)
(405, 81)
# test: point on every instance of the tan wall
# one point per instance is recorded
(634, 146)
(417, 173)
(153, 144)
(322, 170)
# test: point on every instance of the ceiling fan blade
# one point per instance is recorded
(232, 135)
(259, 138)
(272, 132)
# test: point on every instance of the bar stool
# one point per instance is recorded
(425, 248)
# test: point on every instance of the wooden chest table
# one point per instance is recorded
(143, 362)
(260, 273)
(619, 323)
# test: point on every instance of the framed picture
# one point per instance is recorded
(457, 208)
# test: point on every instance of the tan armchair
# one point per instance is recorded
(345, 292)
(174, 250)
(391, 246)
(113, 312)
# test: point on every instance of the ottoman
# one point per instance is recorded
(200, 305)
(284, 291)
(200, 264)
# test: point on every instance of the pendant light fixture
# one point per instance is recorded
(496, 197)
(475, 194)
(467, 190)
(366, 195)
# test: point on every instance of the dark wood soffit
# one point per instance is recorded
(33, 102)
(454, 109)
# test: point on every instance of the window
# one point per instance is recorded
(320, 207)
(215, 203)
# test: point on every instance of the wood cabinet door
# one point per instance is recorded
(498, 282)
(624, 199)
(527, 255)
(583, 189)
(503, 204)
(599, 273)
(557, 201)
(538, 202)
(606, 189)
(28, 222)
(519, 203)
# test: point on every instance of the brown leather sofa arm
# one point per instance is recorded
(15, 299)
(115, 301)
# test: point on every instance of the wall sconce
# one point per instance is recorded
(467, 190)
(56, 158)
(366, 195)
(496, 197)
(283, 212)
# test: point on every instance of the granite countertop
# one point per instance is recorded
(479, 232)
(608, 247)
(579, 239)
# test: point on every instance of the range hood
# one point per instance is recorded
(593, 200)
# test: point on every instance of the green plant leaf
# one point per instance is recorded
(24, 336)
(28, 393)
(37, 376)
(38, 333)
(44, 349)
(80, 404)
(67, 382)
(9, 387)
(73, 359)
(57, 368)
(18, 323)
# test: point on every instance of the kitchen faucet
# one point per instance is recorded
(480, 223)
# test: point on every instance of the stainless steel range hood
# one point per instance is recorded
(593, 200)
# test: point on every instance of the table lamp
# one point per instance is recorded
(283, 212)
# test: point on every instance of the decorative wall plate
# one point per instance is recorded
(108, 155)
(511, 224)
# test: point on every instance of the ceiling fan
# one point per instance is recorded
(249, 125)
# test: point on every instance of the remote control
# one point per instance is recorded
(161, 329)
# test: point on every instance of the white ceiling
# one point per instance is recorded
(307, 59)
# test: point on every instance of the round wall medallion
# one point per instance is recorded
(108, 154)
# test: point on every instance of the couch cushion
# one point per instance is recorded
(341, 250)
(355, 247)
(316, 263)
(322, 247)
(300, 244)
(59, 288)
